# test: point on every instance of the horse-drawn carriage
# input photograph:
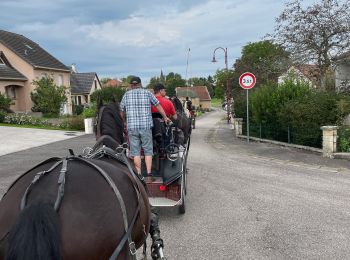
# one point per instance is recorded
(90, 205)
(167, 184)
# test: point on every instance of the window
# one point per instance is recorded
(79, 100)
(95, 84)
(60, 80)
(2, 62)
(11, 92)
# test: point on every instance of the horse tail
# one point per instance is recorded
(36, 235)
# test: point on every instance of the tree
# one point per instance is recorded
(104, 80)
(220, 79)
(108, 94)
(318, 33)
(170, 81)
(47, 96)
(201, 81)
(173, 80)
(153, 81)
(265, 59)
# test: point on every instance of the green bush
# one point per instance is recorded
(293, 111)
(73, 123)
(50, 115)
(107, 94)
(2, 115)
(78, 109)
(69, 123)
(25, 119)
(216, 102)
(89, 112)
(47, 97)
(344, 139)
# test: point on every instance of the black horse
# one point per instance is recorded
(109, 130)
(184, 122)
(78, 207)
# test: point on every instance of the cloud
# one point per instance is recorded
(166, 24)
(134, 31)
(118, 37)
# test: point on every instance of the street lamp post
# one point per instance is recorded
(228, 86)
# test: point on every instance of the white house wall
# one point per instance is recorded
(292, 71)
(92, 90)
(342, 76)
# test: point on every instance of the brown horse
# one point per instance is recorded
(77, 207)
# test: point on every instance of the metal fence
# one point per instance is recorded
(287, 134)
(343, 140)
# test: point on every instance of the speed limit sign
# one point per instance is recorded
(247, 80)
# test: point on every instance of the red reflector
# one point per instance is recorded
(162, 187)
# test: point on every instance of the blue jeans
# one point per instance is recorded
(140, 138)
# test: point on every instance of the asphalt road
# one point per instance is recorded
(258, 201)
(255, 201)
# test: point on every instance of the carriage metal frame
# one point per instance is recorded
(167, 185)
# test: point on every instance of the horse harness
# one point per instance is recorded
(97, 126)
(61, 185)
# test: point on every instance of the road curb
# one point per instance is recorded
(302, 147)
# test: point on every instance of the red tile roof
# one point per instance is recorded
(113, 83)
(196, 91)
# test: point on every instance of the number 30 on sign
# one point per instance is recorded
(247, 80)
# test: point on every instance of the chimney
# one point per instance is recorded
(73, 68)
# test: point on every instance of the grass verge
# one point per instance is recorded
(216, 102)
(38, 127)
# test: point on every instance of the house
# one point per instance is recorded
(21, 62)
(306, 72)
(82, 86)
(199, 95)
(342, 72)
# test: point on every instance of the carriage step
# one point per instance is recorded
(154, 180)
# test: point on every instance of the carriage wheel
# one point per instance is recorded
(185, 181)
(185, 165)
(188, 143)
(182, 207)
(185, 174)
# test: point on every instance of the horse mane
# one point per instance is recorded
(177, 104)
(36, 235)
(110, 121)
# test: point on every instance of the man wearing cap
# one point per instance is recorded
(136, 105)
(167, 105)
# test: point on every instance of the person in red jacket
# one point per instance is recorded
(167, 105)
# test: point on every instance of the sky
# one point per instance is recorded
(117, 38)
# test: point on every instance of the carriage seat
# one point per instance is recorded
(161, 133)
(158, 129)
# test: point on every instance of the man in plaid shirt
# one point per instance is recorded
(136, 105)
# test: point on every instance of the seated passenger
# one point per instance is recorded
(188, 104)
(167, 105)
(169, 109)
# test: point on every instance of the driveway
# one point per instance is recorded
(14, 139)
